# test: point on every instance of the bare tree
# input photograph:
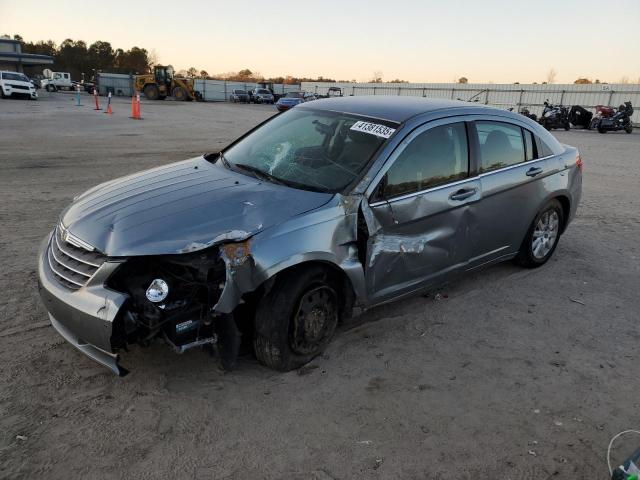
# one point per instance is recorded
(624, 80)
(153, 58)
(463, 80)
(551, 76)
(377, 77)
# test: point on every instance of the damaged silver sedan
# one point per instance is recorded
(315, 215)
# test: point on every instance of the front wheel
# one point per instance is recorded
(601, 130)
(542, 237)
(628, 128)
(151, 92)
(567, 127)
(297, 318)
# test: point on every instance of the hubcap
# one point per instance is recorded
(314, 320)
(545, 234)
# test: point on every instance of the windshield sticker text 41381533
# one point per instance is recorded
(373, 128)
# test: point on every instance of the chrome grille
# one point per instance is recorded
(72, 265)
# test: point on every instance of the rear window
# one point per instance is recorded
(501, 145)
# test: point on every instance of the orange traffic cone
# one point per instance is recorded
(109, 111)
(135, 107)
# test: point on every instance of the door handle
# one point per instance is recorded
(462, 194)
(533, 171)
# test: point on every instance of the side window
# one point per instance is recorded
(543, 149)
(529, 145)
(501, 145)
(437, 156)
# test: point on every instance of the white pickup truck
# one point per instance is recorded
(56, 80)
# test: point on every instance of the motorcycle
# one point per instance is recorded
(621, 120)
(554, 116)
(602, 111)
(580, 116)
(527, 113)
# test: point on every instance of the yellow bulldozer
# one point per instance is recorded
(162, 84)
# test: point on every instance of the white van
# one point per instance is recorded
(16, 84)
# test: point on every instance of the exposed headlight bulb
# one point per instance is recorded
(157, 291)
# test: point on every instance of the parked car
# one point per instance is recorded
(261, 95)
(239, 95)
(15, 84)
(318, 214)
(292, 99)
(89, 87)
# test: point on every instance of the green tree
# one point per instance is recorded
(100, 56)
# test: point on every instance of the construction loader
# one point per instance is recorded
(161, 84)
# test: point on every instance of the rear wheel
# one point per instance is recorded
(567, 126)
(297, 318)
(628, 128)
(542, 237)
(179, 94)
(601, 130)
(151, 92)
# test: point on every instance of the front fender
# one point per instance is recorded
(327, 235)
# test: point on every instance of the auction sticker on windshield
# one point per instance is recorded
(373, 128)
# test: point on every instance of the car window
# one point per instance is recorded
(501, 145)
(437, 156)
(543, 149)
(529, 145)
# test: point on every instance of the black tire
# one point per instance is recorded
(151, 92)
(526, 256)
(297, 318)
(180, 94)
(545, 124)
(628, 128)
(567, 127)
(601, 130)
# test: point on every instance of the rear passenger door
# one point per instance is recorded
(510, 168)
(420, 211)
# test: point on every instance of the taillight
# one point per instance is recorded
(579, 162)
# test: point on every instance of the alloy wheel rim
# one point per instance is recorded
(545, 234)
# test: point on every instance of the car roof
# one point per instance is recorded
(393, 108)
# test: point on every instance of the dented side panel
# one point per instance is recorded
(419, 239)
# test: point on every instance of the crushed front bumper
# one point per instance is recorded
(84, 317)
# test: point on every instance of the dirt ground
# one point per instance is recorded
(510, 374)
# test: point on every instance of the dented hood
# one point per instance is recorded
(181, 207)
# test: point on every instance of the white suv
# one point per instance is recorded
(14, 83)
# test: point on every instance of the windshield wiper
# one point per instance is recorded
(260, 174)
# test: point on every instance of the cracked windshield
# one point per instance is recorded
(314, 150)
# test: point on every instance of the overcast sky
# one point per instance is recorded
(420, 41)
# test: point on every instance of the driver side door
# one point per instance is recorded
(421, 212)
